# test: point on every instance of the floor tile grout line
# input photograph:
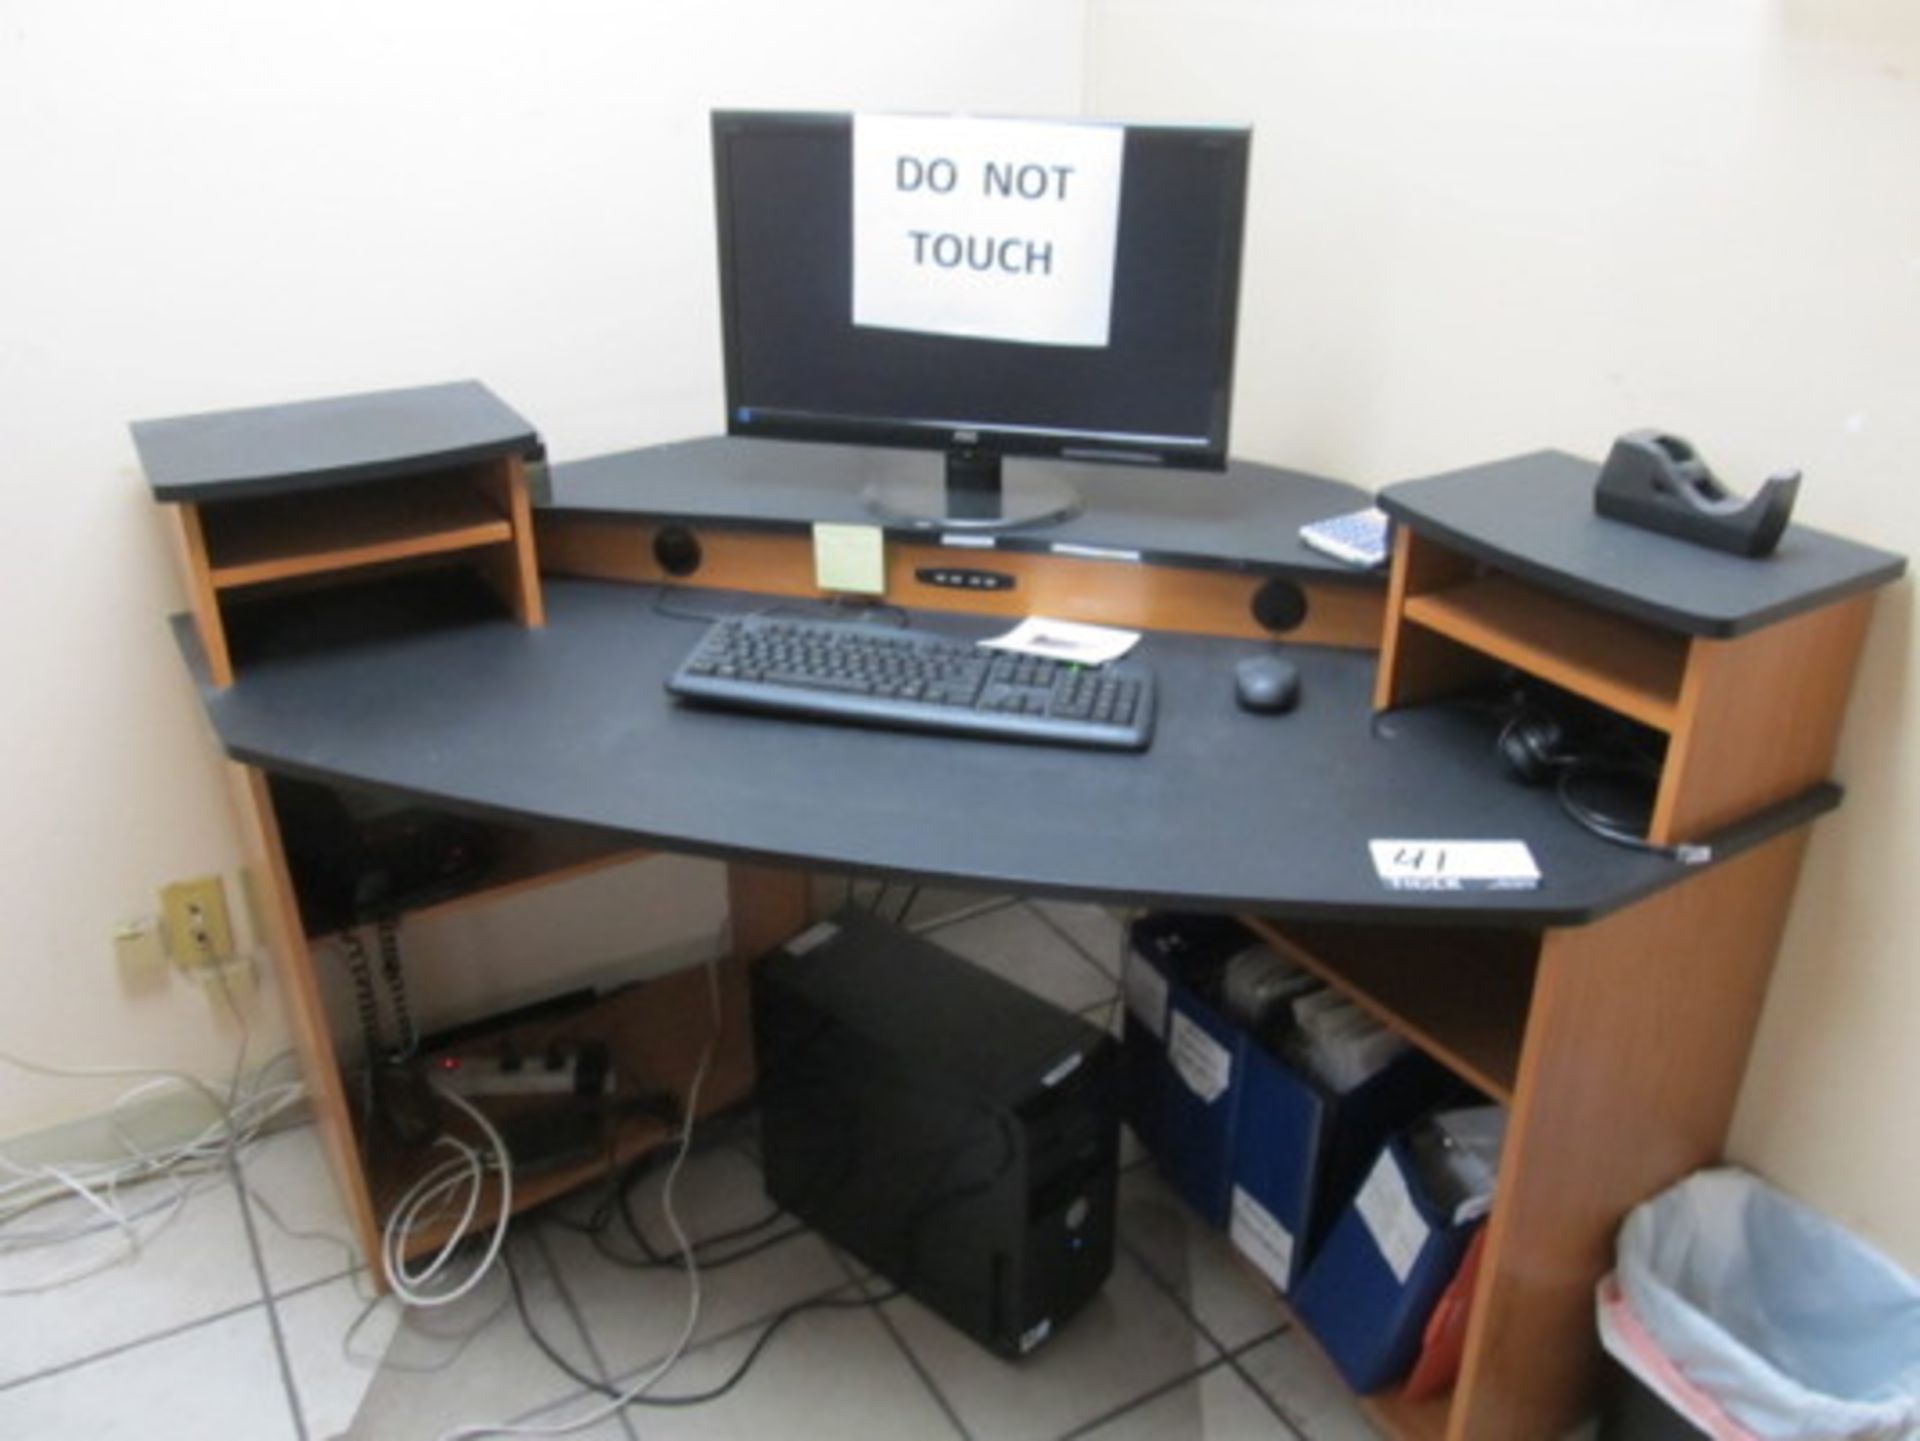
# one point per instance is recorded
(851, 1283)
(579, 1319)
(1295, 1428)
(991, 906)
(847, 1263)
(1189, 1312)
(165, 1334)
(274, 1327)
(1147, 1398)
(702, 1343)
(1141, 1258)
(919, 1369)
(536, 1414)
(1072, 942)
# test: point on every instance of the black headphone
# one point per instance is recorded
(1531, 743)
(1533, 746)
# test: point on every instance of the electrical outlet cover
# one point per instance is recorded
(199, 930)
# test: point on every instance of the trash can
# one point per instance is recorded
(1752, 1316)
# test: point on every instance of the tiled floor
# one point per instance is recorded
(245, 1319)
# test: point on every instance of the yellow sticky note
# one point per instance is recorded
(850, 559)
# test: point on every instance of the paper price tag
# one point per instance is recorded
(1418, 865)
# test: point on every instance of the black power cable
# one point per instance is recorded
(695, 1398)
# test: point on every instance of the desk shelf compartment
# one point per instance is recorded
(1459, 994)
(343, 843)
(1750, 719)
(1618, 1048)
(1617, 663)
(239, 552)
(248, 542)
(655, 1030)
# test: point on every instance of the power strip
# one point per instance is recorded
(561, 1071)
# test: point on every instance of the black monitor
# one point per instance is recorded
(798, 367)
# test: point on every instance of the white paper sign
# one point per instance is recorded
(1261, 1238)
(996, 229)
(1386, 1205)
(1146, 991)
(1413, 865)
(1199, 1060)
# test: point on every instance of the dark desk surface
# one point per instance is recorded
(1247, 517)
(1226, 811)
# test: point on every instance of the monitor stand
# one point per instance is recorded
(971, 495)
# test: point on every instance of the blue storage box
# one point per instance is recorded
(1181, 1058)
(1368, 1292)
(1301, 1151)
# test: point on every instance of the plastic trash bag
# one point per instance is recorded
(1755, 1317)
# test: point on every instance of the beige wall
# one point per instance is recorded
(1484, 226)
(211, 203)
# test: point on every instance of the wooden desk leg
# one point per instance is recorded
(279, 912)
(1635, 1049)
(767, 905)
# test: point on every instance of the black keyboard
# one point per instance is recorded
(855, 671)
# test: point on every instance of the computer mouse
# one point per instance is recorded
(1266, 684)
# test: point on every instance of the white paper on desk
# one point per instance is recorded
(1414, 865)
(1065, 640)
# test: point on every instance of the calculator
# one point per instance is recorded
(1359, 537)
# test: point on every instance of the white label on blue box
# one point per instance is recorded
(1416, 865)
(1261, 1238)
(1395, 1224)
(1199, 1060)
(1146, 991)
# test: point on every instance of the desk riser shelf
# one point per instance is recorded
(1749, 721)
(1619, 664)
(1106, 592)
(1759, 718)
(479, 514)
(313, 532)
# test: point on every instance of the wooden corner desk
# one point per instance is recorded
(1611, 1009)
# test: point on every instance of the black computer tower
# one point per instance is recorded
(953, 1132)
